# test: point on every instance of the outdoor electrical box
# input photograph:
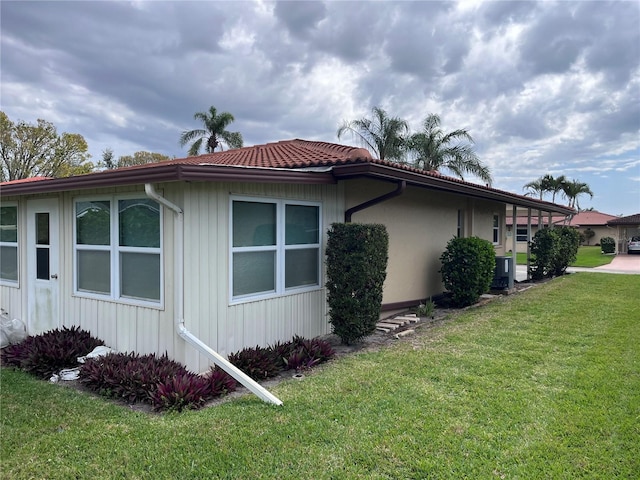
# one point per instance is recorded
(504, 274)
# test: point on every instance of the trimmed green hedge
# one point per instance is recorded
(553, 250)
(356, 269)
(468, 265)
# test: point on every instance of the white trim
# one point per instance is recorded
(115, 250)
(495, 230)
(3, 281)
(280, 249)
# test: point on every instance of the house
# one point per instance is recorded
(625, 228)
(226, 250)
(582, 221)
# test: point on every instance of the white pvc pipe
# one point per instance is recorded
(189, 337)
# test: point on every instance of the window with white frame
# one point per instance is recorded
(275, 247)
(522, 234)
(9, 244)
(118, 249)
(496, 229)
(460, 228)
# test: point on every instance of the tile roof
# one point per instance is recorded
(285, 154)
(290, 161)
(591, 217)
(628, 220)
(25, 180)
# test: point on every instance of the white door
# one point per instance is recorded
(42, 265)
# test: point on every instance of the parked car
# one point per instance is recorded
(634, 245)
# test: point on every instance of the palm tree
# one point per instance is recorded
(383, 135)
(435, 150)
(573, 189)
(556, 185)
(540, 186)
(214, 133)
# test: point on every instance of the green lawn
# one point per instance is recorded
(542, 384)
(587, 257)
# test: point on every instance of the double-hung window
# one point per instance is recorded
(9, 245)
(496, 230)
(118, 249)
(275, 247)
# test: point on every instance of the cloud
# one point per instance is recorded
(543, 87)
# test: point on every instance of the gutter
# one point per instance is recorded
(181, 330)
(400, 188)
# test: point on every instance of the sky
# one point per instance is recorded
(542, 87)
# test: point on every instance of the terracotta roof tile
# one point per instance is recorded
(26, 180)
(591, 217)
(628, 220)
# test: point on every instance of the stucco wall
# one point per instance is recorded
(420, 222)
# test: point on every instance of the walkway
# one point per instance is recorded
(622, 263)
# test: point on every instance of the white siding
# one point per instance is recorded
(229, 328)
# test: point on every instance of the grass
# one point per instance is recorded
(543, 384)
(588, 257)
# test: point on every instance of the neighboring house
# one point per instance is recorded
(625, 228)
(522, 229)
(594, 221)
(229, 245)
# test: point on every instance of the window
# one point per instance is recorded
(275, 247)
(460, 229)
(9, 244)
(496, 229)
(118, 249)
(522, 235)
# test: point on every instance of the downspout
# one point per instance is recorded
(189, 337)
(401, 187)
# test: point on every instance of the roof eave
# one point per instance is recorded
(168, 173)
(389, 173)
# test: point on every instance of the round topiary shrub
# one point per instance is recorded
(608, 245)
(468, 265)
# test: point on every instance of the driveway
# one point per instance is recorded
(622, 263)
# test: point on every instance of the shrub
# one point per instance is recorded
(304, 354)
(566, 250)
(183, 391)
(43, 355)
(356, 269)
(468, 265)
(543, 247)
(128, 376)
(257, 362)
(220, 382)
(553, 250)
(608, 245)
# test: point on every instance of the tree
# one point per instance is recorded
(138, 158)
(107, 159)
(573, 189)
(540, 186)
(214, 134)
(383, 136)
(28, 150)
(556, 185)
(434, 150)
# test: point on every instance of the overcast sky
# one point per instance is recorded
(543, 87)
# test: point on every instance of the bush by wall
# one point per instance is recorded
(608, 245)
(468, 265)
(357, 257)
